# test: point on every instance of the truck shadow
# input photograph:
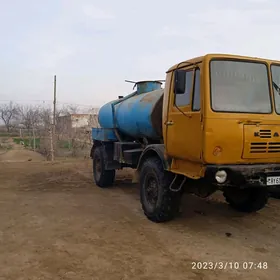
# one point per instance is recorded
(215, 217)
(127, 187)
(214, 205)
(200, 212)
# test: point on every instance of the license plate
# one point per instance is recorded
(272, 181)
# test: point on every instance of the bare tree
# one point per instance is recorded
(67, 110)
(61, 112)
(47, 140)
(8, 113)
(46, 117)
(29, 116)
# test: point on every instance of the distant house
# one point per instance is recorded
(77, 121)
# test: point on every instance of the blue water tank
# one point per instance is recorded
(138, 114)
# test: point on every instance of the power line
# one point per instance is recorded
(50, 101)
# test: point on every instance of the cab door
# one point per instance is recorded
(184, 118)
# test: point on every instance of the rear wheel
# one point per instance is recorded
(246, 200)
(102, 177)
(158, 202)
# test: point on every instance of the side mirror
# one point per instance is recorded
(180, 82)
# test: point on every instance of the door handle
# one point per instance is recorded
(169, 123)
(248, 122)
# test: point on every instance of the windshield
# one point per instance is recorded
(240, 86)
(275, 71)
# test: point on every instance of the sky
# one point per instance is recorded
(94, 46)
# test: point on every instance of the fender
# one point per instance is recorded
(95, 144)
(108, 153)
(157, 150)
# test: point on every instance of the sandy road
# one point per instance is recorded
(55, 224)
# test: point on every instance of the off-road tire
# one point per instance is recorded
(103, 178)
(167, 204)
(246, 200)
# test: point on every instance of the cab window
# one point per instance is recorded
(185, 98)
(196, 95)
(239, 86)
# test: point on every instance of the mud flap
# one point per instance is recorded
(135, 177)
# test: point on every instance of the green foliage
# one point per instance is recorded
(28, 142)
(64, 144)
(7, 134)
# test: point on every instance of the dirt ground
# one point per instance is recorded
(17, 153)
(56, 224)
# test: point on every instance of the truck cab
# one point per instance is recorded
(226, 110)
(220, 128)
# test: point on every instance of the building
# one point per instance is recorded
(74, 122)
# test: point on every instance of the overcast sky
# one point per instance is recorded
(93, 46)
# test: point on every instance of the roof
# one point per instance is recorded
(80, 115)
(211, 55)
(186, 62)
(75, 115)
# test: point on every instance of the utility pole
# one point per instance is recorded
(53, 122)
(54, 103)
(34, 138)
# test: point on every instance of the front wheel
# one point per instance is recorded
(158, 202)
(246, 200)
(102, 177)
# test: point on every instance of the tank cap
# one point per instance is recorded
(146, 86)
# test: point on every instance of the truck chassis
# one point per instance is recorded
(160, 189)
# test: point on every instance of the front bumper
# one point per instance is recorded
(245, 174)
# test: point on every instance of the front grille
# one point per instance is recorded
(264, 147)
(265, 133)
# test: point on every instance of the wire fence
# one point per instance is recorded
(76, 144)
(33, 127)
(68, 141)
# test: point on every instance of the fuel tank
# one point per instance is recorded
(138, 114)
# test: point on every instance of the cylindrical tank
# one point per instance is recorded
(138, 114)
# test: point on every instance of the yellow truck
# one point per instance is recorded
(214, 126)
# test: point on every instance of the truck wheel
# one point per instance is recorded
(102, 177)
(246, 200)
(158, 202)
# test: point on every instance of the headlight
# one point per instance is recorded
(221, 176)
